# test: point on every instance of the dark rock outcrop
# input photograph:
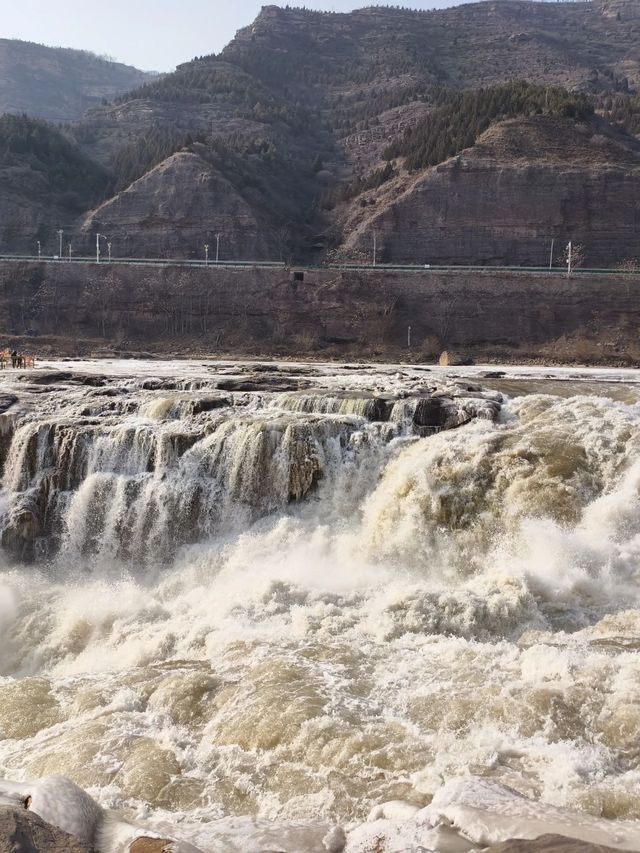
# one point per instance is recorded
(22, 831)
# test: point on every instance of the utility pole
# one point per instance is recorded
(206, 254)
(217, 248)
(569, 258)
(551, 254)
(60, 233)
(39, 251)
(375, 248)
(98, 236)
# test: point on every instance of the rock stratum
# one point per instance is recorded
(499, 316)
(524, 182)
(286, 144)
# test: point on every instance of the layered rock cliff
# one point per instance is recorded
(179, 206)
(525, 183)
(58, 307)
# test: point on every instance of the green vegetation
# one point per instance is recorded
(361, 184)
(621, 109)
(455, 123)
(135, 159)
(208, 81)
(40, 146)
(464, 116)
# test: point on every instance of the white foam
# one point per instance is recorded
(466, 601)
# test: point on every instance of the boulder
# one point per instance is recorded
(549, 844)
(454, 359)
(150, 845)
(209, 404)
(22, 831)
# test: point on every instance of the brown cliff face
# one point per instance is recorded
(494, 316)
(175, 209)
(525, 183)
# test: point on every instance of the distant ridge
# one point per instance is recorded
(59, 84)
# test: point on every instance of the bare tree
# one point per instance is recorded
(573, 257)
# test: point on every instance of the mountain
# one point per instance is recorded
(507, 197)
(59, 84)
(45, 182)
(312, 130)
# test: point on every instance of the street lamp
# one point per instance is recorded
(60, 233)
(98, 236)
(206, 254)
(39, 251)
(70, 250)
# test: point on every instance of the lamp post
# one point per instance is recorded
(217, 248)
(39, 251)
(98, 236)
(70, 250)
(60, 233)
(206, 254)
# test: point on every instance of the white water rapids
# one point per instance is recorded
(252, 603)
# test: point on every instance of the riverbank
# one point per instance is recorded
(490, 317)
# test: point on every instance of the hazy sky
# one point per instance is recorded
(152, 34)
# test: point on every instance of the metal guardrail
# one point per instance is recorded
(423, 268)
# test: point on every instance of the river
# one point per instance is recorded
(254, 601)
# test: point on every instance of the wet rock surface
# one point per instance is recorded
(138, 465)
(550, 844)
(22, 831)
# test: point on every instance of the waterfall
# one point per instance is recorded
(133, 471)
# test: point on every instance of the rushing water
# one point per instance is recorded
(236, 599)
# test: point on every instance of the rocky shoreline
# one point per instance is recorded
(23, 831)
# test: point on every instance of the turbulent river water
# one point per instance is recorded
(254, 601)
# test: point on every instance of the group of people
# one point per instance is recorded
(17, 359)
